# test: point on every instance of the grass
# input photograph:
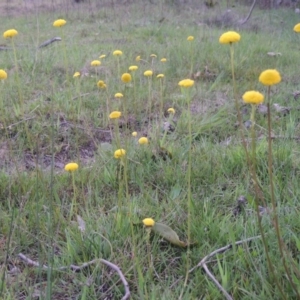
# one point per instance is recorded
(36, 193)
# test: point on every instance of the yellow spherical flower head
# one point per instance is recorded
(148, 222)
(119, 153)
(71, 167)
(59, 23)
(118, 95)
(190, 38)
(126, 77)
(95, 63)
(138, 58)
(160, 76)
(148, 73)
(229, 37)
(10, 33)
(115, 115)
(3, 75)
(101, 84)
(171, 110)
(117, 53)
(133, 68)
(76, 74)
(134, 133)
(269, 77)
(163, 60)
(102, 56)
(253, 97)
(186, 83)
(153, 55)
(143, 141)
(297, 28)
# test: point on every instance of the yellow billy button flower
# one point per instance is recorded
(297, 28)
(253, 97)
(229, 37)
(148, 73)
(59, 23)
(101, 84)
(269, 77)
(190, 38)
(186, 83)
(138, 58)
(115, 115)
(134, 133)
(143, 141)
(148, 222)
(153, 55)
(160, 76)
(119, 153)
(3, 75)
(118, 95)
(171, 110)
(10, 33)
(133, 68)
(76, 74)
(102, 56)
(95, 63)
(163, 60)
(71, 167)
(117, 53)
(126, 77)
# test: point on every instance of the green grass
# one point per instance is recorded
(36, 193)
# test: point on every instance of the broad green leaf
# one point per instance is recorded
(168, 234)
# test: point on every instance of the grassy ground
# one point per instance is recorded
(48, 119)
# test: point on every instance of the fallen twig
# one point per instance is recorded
(48, 42)
(75, 268)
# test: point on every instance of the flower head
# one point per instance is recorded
(134, 133)
(115, 115)
(269, 77)
(118, 95)
(190, 38)
(119, 153)
(101, 84)
(117, 53)
(71, 167)
(297, 28)
(143, 141)
(102, 56)
(10, 33)
(148, 73)
(163, 59)
(76, 74)
(229, 37)
(186, 83)
(126, 77)
(133, 68)
(253, 97)
(138, 58)
(3, 75)
(171, 110)
(148, 222)
(153, 55)
(59, 23)
(95, 63)
(160, 76)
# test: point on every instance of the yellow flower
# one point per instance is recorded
(186, 83)
(118, 95)
(133, 68)
(253, 97)
(297, 27)
(10, 33)
(148, 222)
(269, 77)
(95, 63)
(117, 53)
(59, 23)
(119, 153)
(163, 60)
(102, 56)
(134, 133)
(101, 84)
(71, 167)
(143, 140)
(115, 115)
(148, 73)
(76, 74)
(138, 58)
(229, 37)
(190, 38)
(126, 77)
(3, 75)
(153, 55)
(171, 110)
(160, 76)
